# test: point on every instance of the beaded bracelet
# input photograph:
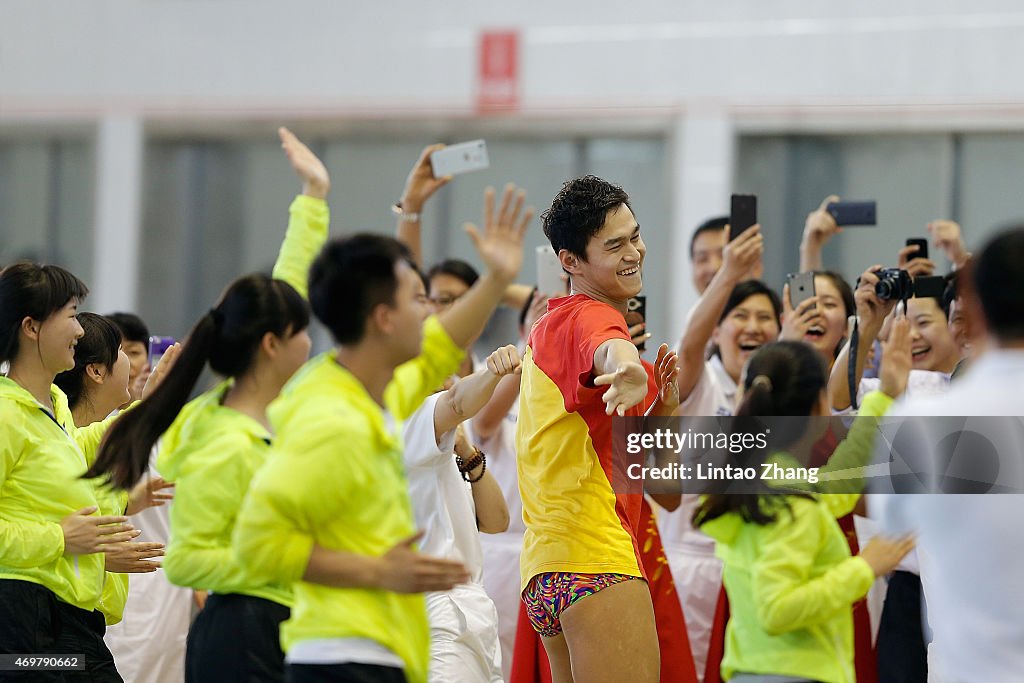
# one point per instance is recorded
(465, 467)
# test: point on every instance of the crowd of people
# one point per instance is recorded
(398, 508)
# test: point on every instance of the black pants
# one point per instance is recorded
(344, 673)
(35, 622)
(236, 638)
(902, 653)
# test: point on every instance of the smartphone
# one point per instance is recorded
(461, 158)
(549, 273)
(636, 313)
(853, 213)
(922, 247)
(743, 214)
(801, 288)
(157, 348)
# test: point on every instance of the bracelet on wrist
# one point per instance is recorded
(404, 215)
(478, 459)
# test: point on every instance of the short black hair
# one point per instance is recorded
(845, 290)
(457, 268)
(99, 345)
(578, 212)
(998, 279)
(747, 289)
(132, 327)
(32, 290)
(716, 224)
(351, 277)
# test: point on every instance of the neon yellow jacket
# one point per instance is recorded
(211, 452)
(41, 460)
(337, 480)
(791, 583)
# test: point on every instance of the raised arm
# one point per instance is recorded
(738, 257)
(470, 394)
(308, 215)
(819, 228)
(420, 186)
(500, 246)
(871, 313)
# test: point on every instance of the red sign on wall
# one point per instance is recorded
(498, 72)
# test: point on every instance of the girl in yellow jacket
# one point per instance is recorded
(51, 539)
(787, 566)
(256, 337)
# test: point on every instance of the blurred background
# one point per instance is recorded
(138, 144)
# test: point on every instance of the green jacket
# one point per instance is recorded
(211, 452)
(337, 480)
(791, 583)
(42, 457)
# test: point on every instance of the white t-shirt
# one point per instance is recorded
(968, 545)
(714, 393)
(442, 500)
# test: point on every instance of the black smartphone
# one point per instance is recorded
(922, 247)
(801, 288)
(742, 215)
(636, 313)
(853, 213)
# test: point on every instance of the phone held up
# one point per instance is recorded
(157, 348)
(922, 247)
(801, 287)
(636, 313)
(853, 213)
(742, 214)
(461, 158)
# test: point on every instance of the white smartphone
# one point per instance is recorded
(549, 272)
(461, 158)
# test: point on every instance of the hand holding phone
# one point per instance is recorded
(853, 213)
(801, 288)
(742, 214)
(922, 247)
(636, 314)
(461, 158)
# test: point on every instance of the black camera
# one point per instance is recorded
(895, 284)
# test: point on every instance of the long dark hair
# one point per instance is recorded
(31, 290)
(782, 379)
(99, 345)
(227, 337)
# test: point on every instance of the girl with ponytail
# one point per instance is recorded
(788, 572)
(256, 338)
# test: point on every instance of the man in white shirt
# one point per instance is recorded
(971, 563)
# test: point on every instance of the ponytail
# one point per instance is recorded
(123, 456)
(228, 338)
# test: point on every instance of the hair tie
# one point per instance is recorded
(762, 381)
(217, 317)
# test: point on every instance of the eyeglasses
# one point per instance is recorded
(443, 300)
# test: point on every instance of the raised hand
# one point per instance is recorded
(316, 182)
(947, 237)
(500, 245)
(820, 226)
(421, 183)
(897, 359)
(871, 310)
(743, 254)
(505, 361)
(403, 570)
(149, 492)
(86, 532)
(162, 368)
(628, 387)
(666, 370)
(796, 322)
(915, 265)
(132, 557)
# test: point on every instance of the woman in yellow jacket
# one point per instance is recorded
(95, 388)
(51, 539)
(256, 337)
(787, 566)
